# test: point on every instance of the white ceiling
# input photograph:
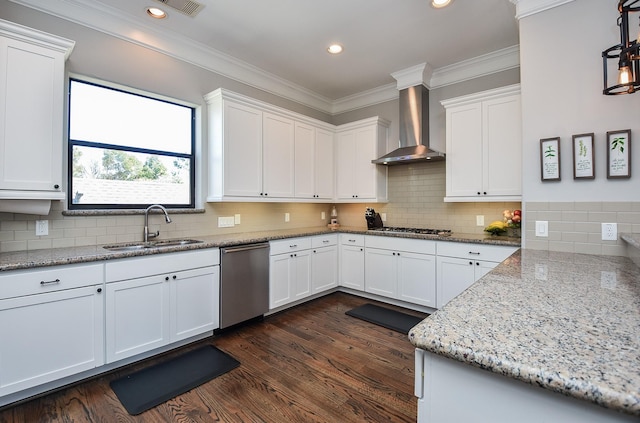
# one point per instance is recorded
(285, 41)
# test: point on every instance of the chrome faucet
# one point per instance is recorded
(148, 235)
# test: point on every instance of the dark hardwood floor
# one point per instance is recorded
(311, 363)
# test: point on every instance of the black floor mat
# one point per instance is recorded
(156, 384)
(390, 319)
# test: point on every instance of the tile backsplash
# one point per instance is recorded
(576, 226)
(416, 193)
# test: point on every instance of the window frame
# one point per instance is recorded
(71, 143)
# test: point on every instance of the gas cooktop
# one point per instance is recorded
(420, 231)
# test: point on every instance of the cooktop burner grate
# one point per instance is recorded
(421, 231)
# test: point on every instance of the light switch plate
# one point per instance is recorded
(480, 220)
(236, 219)
(225, 221)
(542, 228)
(383, 217)
(323, 216)
(287, 217)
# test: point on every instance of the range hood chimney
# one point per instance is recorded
(414, 123)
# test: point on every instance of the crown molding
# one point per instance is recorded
(105, 19)
(526, 8)
(499, 60)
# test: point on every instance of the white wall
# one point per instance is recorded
(561, 81)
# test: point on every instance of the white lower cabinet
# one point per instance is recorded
(402, 269)
(324, 263)
(352, 261)
(178, 300)
(289, 271)
(462, 264)
(51, 325)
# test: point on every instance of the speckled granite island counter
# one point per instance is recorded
(568, 323)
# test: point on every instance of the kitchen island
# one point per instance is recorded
(566, 323)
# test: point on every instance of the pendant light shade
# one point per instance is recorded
(626, 55)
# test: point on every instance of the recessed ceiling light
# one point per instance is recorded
(440, 3)
(335, 49)
(156, 13)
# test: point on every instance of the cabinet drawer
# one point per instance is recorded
(496, 253)
(324, 240)
(28, 282)
(289, 245)
(136, 267)
(352, 239)
(401, 244)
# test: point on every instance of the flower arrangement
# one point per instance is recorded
(512, 219)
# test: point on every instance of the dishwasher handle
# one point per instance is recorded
(244, 248)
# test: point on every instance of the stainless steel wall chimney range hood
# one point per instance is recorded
(414, 128)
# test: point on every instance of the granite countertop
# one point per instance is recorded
(58, 256)
(566, 322)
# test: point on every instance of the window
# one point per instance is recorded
(128, 150)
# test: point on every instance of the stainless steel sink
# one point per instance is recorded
(151, 244)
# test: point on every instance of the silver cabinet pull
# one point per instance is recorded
(351, 240)
(474, 253)
(293, 246)
(326, 241)
(43, 283)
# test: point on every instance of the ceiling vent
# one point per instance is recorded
(187, 7)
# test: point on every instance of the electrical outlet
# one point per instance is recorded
(609, 231)
(287, 217)
(383, 216)
(42, 227)
(542, 228)
(226, 222)
(236, 219)
(323, 215)
(480, 220)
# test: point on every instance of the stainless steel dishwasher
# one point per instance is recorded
(244, 283)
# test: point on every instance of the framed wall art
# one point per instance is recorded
(619, 154)
(583, 157)
(550, 159)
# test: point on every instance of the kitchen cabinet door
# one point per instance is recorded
(381, 272)
(352, 266)
(484, 146)
(324, 268)
(502, 132)
(357, 179)
(304, 161)
(324, 168)
(137, 316)
(242, 165)
(49, 336)
(154, 311)
(31, 112)
(278, 156)
(454, 276)
(195, 299)
(464, 151)
(417, 278)
(289, 277)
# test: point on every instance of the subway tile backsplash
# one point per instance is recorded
(576, 226)
(416, 193)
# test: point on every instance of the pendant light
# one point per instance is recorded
(627, 54)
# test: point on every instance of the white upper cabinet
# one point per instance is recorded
(277, 156)
(259, 152)
(31, 112)
(357, 143)
(314, 168)
(484, 146)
